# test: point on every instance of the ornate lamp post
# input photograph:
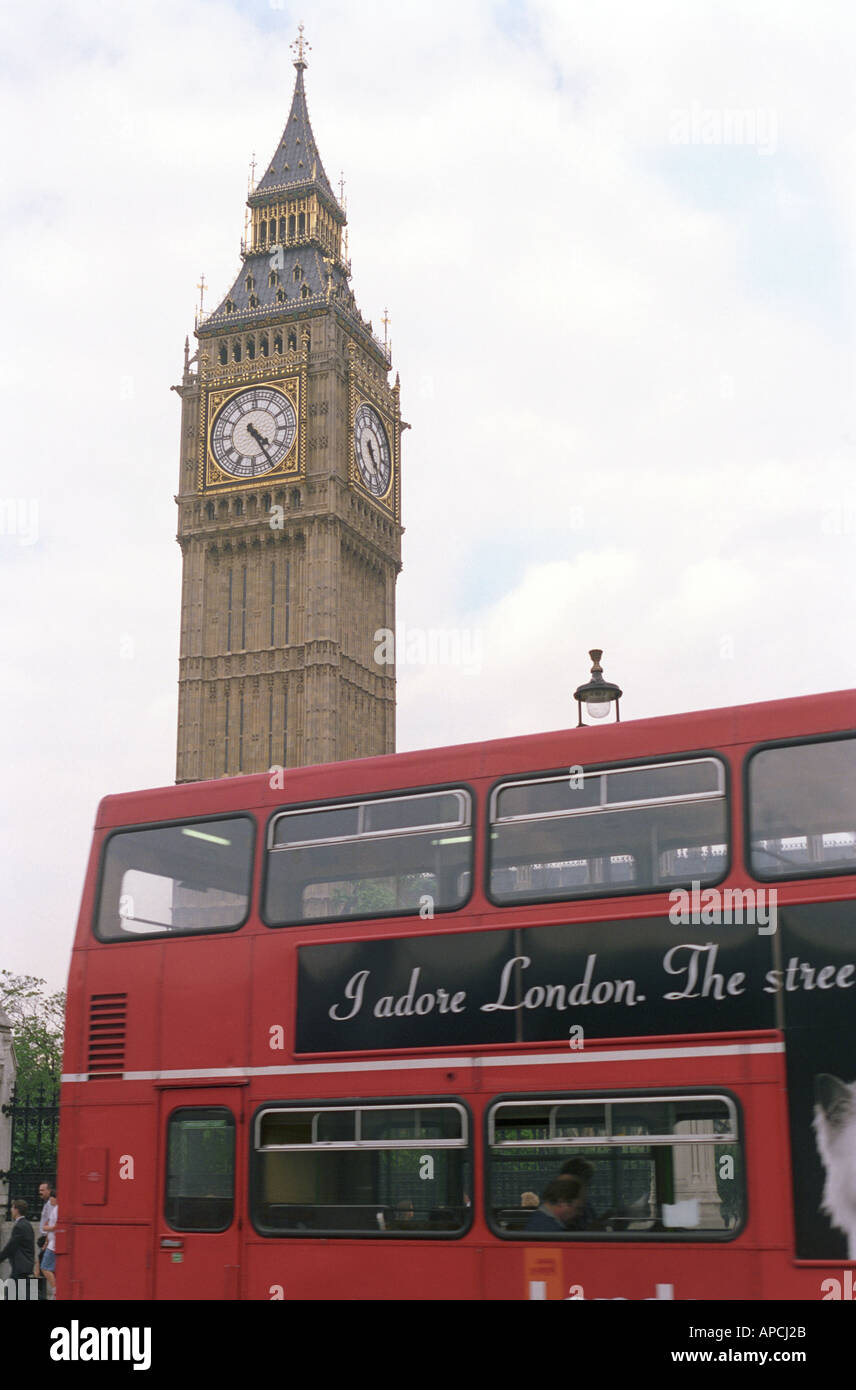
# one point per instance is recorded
(597, 693)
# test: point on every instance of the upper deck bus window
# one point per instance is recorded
(368, 859)
(363, 1170)
(193, 877)
(802, 809)
(629, 829)
(649, 1167)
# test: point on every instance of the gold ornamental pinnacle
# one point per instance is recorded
(298, 47)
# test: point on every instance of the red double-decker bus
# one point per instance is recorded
(567, 1015)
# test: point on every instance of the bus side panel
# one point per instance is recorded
(619, 1271)
(110, 1262)
(114, 1161)
(204, 1003)
(354, 1269)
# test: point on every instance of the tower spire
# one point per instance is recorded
(299, 46)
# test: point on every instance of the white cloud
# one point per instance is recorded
(627, 432)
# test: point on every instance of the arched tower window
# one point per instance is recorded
(254, 301)
(236, 351)
(210, 511)
(239, 506)
(291, 227)
(304, 293)
(301, 224)
(297, 273)
(282, 229)
(292, 341)
(281, 296)
(251, 349)
(250, 283)
(263, 233)
(224, 354)
(277, 343)
(264, 345)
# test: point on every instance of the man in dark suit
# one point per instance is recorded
(560, 1202)
(20, 1249)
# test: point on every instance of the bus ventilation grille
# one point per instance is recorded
(107, 1017)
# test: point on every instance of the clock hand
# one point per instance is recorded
(373, 460)
(261, 441)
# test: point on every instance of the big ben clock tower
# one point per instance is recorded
(289, 496)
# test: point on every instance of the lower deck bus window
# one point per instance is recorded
(200, 1169)
(191, 877)
(647, 1167)
(387, 1170)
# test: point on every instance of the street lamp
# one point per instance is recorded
(597, 693)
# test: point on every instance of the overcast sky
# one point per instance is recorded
(616, 243)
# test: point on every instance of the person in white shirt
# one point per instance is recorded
(48, 1257)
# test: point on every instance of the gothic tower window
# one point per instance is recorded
(273, 603)
(244, 610)
(224, 354)
(277, 343)
(239, 506)
(251, 345)
(282, 229)
(263, 233)
(291, 227)
(297, 273)
(301, 224)
(236, 351)
(273, 278)
(287, 599)
(281, 296)
(254, 301)
(304, 293)
(230, 306)
(226, 740)
(209, 511)
(250, 283)
(264, 345)
(292, 341)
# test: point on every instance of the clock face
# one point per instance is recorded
(253, 432)
(371, 447)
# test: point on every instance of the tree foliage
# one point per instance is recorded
(37, 1019)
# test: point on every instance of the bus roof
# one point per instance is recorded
(665, 735)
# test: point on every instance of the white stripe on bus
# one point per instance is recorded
(549, 1059)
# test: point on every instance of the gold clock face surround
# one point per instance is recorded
(253, 432)
(372, 451)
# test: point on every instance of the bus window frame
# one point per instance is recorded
(802, 873)
(593, 769)
(168, 934)
(412, 1102)
(330, 804)
(605, 1097)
